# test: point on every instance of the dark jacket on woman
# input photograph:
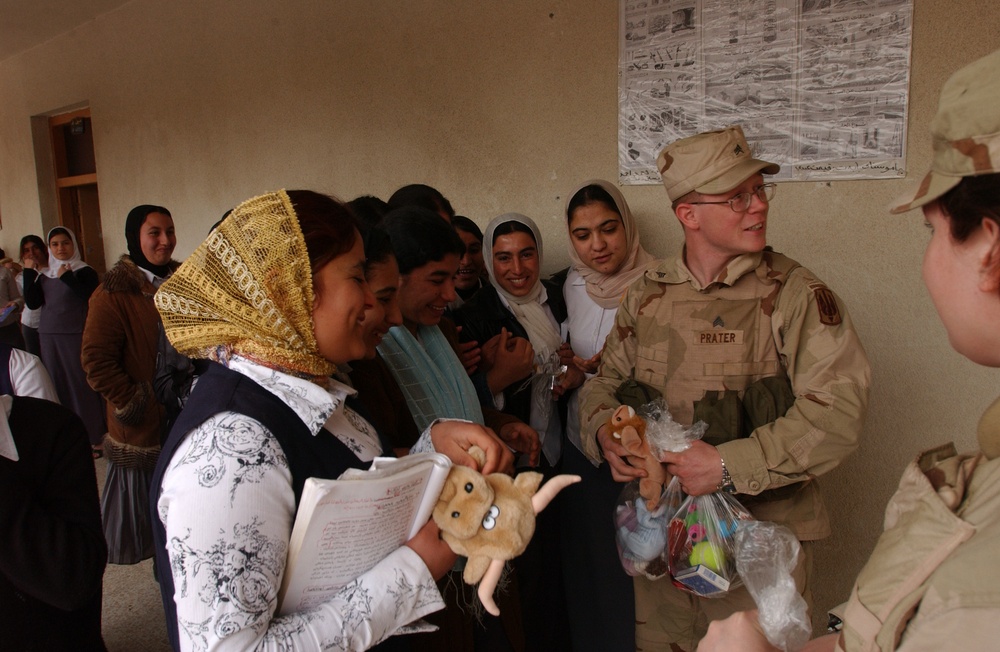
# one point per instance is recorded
(484, 315)
(119, 356)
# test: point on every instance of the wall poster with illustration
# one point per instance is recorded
(819, 86)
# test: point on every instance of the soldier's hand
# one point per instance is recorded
(615, 454)
(740, 631)
(699, 468)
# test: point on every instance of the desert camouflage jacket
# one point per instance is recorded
(764, 316)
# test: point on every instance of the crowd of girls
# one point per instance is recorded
(322, 339)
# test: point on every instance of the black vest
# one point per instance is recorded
(222, 390)
(5, 385)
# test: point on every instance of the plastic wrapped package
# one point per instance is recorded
(663, 433)
(766, 555)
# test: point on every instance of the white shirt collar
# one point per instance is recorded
(7, 447)
(157, 281)
(312, 403)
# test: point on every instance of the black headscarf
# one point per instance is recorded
(136, 217)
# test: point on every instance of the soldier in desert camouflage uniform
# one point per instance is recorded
(931, 581)
(746, 339)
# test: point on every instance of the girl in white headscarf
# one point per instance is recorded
(607, 257)
(62, 291)
(519, 302)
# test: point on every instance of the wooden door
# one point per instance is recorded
(76, 182)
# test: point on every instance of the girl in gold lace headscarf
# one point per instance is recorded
(248, 290)
(276, 295)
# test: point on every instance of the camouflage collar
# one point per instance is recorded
(674, 271)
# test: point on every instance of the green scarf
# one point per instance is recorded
(430, 376)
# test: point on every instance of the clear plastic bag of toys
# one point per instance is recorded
(641, 533)
(645, 506)
(701, 544)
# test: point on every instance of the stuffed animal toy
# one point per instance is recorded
(647, 537)
(629, 428)
(491, 519)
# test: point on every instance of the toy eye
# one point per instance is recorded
(468, 487)
(490, 520)
(456, 514)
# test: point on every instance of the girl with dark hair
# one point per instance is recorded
(471, 268)
(119, 357)
(62, 292)
(384, 403)
(32, 247)
(606, 257)
(517, 302)
(418, 378)
(275, 299)
(418, 195)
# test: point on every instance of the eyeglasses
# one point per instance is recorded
(741, 203)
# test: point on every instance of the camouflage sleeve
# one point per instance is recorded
(830, 377)
(597, 396)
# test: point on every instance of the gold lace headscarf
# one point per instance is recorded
(247, 289)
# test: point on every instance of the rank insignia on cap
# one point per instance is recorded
(829, 313)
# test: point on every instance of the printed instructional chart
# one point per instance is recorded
(819, 86)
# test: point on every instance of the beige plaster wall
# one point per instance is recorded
(504, 106)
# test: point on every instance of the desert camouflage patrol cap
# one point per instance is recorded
(712, 163)
(966, 132)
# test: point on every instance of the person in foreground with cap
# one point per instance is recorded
(931, 582)
(747, 340)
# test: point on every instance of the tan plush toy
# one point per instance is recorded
(628, 427)
(491, 519)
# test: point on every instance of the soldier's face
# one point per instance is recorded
(729, 233)
(961, 287)
(598, 237)
(515, 263)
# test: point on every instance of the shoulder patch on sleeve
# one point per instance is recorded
(826, 302)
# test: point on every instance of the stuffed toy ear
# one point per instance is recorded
(528, 482)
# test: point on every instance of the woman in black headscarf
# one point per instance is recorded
(119, 357)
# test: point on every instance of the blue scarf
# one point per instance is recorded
(430, 376)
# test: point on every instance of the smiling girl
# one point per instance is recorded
(62, 290)
(119, 356)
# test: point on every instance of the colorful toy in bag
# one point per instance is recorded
(491, 519)
(646, 505)
(701, 544)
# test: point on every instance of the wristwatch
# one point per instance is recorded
(727, 481)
